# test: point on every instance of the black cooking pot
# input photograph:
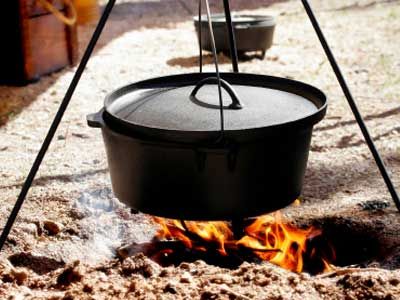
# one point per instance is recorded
(252, 33)
(169, 156)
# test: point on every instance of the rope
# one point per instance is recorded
(68, 20)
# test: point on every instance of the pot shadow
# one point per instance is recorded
(346, 176)
(349, 141)
(208, 59)
(193, 61)
(385, 114)
(44, 180)
(125, 17)
(353, 139)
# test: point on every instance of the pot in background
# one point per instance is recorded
(252, 33)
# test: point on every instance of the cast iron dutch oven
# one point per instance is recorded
(168, 155)
(252, 32)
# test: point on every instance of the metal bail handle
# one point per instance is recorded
(231, 35)
(214, 51)
(236, 104)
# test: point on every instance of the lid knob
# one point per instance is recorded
(236, 104)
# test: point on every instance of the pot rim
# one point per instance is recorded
(256, 20)
(307, 91)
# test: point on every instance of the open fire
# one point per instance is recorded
(267, 238)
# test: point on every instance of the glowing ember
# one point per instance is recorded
(268, 238)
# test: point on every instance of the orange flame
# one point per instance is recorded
(268, 237)
(271, 233)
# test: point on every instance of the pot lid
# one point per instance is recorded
(164, 108)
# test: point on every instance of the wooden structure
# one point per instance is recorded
(34, 41)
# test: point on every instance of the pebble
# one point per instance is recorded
(80, 135)
(19, 275)
(87, 288)
(29, 228)
(71, 274)
(170, 287)
(186, 278)
(53, 227)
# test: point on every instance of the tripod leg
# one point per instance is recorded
(56, 122)
(231, 34)
(353, 105)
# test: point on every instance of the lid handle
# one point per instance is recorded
(236, 104)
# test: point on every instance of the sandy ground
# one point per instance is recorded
(343, 192)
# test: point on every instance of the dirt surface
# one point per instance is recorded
(64, 242)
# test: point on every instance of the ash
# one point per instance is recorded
(106, 224)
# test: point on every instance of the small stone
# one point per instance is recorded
(373, 205)
(68, 296)
(132, 287)
(305, 276)
(102, 277)
(16, 297)
(80, 135)
(273, 58)
(394, 281)
(27, 137)
(264, 282)
(30, 229)
(52, 227)
(70, 274)
(225, 278)
(170, 288)
(139, 264)
(19, 275)
(164, 273)
(293, 280)
(87, 288)
(184, 266)
(186, 278)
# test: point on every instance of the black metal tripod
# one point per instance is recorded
(88, 53)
